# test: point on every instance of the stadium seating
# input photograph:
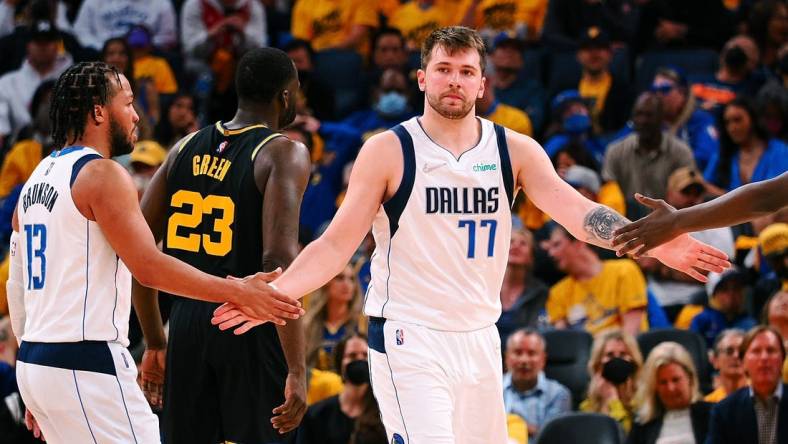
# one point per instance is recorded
(567, 358)
(581, 428)
(693, 342)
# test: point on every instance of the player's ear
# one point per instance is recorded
(99, 114)
(285, 98)
(420, 78)
(481, 88)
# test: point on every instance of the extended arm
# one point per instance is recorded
(118, 215)
(738, 206)
(282, 173)
(590, 221)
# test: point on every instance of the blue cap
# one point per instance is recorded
(564, 97)
(138, 37)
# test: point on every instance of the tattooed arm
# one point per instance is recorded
(590, 221)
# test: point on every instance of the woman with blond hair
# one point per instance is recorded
(614, 366)
(671, 410)
(334, 312)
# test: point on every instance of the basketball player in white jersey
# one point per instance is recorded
(77, 228)
(437, 190)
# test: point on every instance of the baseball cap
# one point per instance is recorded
(730, 275)
(43, 30)
(138, 37)
(148, 152)
(565, 97)
(683, 177)
(580, 176)
(594, 37)
(774, 239)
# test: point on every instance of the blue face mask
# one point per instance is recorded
(577, 123)
(391, 104)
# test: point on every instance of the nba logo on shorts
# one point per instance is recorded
(399, 336)
(221, 147)
(397, 438)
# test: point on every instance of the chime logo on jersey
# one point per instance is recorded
(399, 336)
(221, 147)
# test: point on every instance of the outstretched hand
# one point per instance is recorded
(264, 303)
(692, 257)
(649, 232)
(227, 316)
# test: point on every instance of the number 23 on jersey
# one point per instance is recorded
(190, 220)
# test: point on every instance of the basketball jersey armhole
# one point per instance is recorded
(79, 164)
(267, 139)
(396, 205)
(506, 163)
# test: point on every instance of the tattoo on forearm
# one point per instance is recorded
(600, 223)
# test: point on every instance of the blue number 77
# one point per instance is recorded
(471, 224)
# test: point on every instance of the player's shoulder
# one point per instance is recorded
(277, 147)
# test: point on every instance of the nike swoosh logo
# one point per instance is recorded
(428, 168)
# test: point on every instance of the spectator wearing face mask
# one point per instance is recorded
(737, 74)
(614, 366)
(391, 105)
(572, 123)
(353, 415)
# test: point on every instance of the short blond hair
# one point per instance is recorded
(597, 353)
(663, 354)
(453, 39)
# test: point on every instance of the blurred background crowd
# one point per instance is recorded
(675, 99)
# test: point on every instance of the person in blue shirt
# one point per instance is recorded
(573, 123)
(746, 153)
(390, 105)
(726, 307)
(683, 117)
(526, 390)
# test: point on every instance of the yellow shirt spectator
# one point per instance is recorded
(513, 16)
(598, 304)
(328, 23)
(19, 164)
(158, 70)
(716, 396)
(511, 118)
(322, 384)
(416, 20)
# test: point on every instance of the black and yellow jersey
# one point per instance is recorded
(214, 214)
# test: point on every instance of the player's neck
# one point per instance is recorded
(96, 140)
(455, 135)
(246, 116)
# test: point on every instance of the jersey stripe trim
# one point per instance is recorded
(396, 205)
(85, 356)
(186, 140)
(123, 398)
(232, 132)
(87, 274)
(83, 408)
(260, 145)
(79, 164)
(506, 163)
(115, 304)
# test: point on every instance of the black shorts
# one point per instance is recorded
(219, 386)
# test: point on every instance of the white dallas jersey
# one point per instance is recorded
(443, 238)
(76, 287)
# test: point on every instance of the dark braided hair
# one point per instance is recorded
(76, 92)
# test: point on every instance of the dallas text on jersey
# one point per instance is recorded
(465, 200)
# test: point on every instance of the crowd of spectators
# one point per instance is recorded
(674, 99)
